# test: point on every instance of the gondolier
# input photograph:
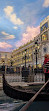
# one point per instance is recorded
(46, 69)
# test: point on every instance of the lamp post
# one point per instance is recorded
(11, 64)
(25, 58)
(11, 61)
(36, 53)
(36, 57)
(25, 71)
(3, 67)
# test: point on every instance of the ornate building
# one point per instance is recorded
(42, 48)
(5, 58)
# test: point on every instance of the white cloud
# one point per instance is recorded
(31, 32)
(46, 3)
(5, 45)
(8, 36)
(9, 11)
(4, 33)
(15, 28)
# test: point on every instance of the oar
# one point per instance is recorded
(24, 108)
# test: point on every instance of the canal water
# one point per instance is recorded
(9, 104)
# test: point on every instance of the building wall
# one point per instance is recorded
(5, 58)
(43, 45)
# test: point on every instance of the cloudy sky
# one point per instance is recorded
(20, 21)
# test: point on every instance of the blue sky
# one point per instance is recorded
(20, 21)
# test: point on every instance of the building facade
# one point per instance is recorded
(29, 49)
(5, 58)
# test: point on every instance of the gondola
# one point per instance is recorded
(22, 94)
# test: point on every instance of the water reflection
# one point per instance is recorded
(9, 104)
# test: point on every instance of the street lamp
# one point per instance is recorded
(25, 58)
(25, 71)
(36, 53)
(3, 67)
(11, 61)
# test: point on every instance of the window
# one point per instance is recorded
(45, 26)
(5, 55)
(45, 49)
(44, 36)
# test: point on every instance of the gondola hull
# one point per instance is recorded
(22, 94)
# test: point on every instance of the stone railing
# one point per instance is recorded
(39, 77)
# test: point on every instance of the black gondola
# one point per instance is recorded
(22, 94)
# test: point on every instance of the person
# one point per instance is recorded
(29, 67)
(46, 70)
(23, 68)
